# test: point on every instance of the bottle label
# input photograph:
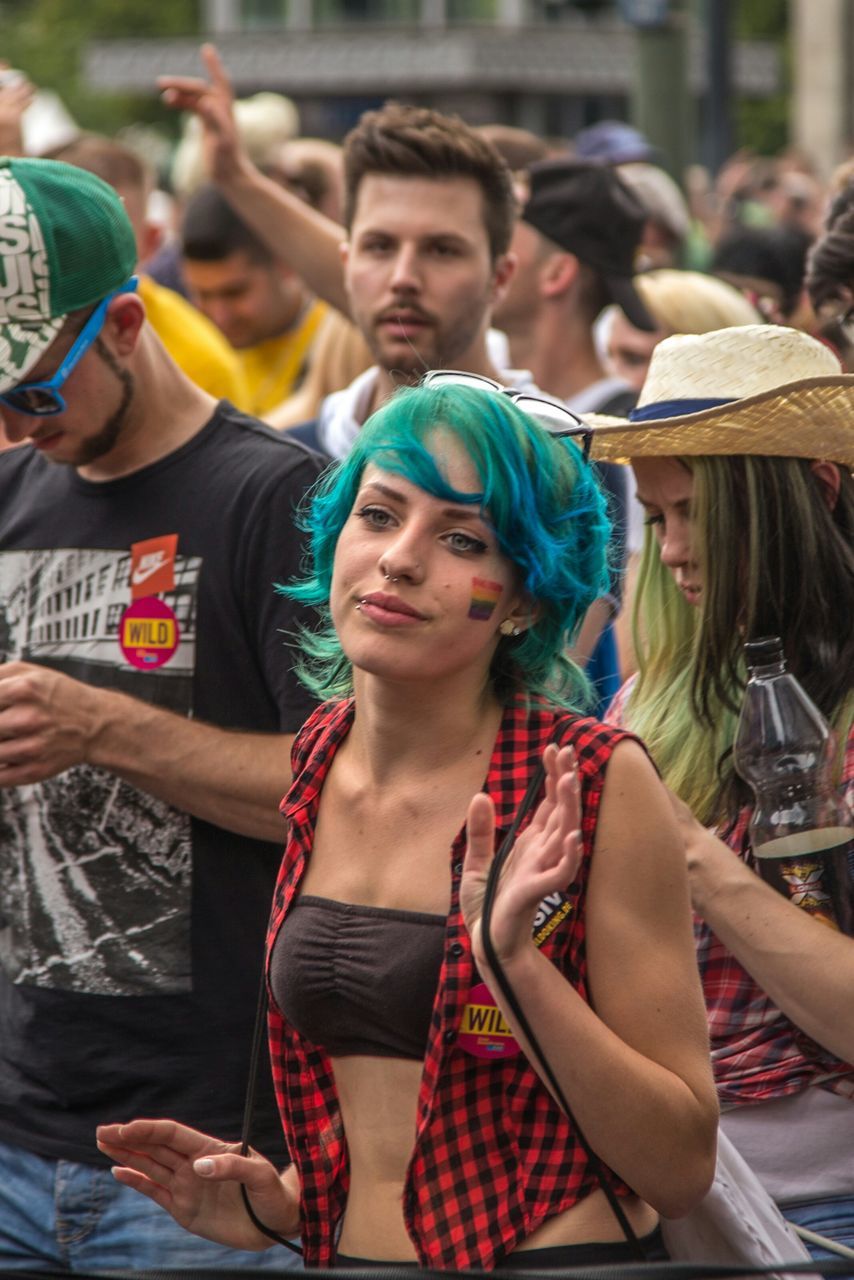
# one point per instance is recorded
(812, 869)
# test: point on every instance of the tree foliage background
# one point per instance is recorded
(46, 39)
(763, 124)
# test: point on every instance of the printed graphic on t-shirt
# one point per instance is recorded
(95, 875)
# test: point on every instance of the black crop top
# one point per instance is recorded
(356, 979)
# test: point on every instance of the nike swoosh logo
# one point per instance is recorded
(146, 571)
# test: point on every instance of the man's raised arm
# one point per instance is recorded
(304, 239)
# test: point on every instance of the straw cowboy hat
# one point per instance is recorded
(755, 388)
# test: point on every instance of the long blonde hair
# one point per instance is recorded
(775, 559)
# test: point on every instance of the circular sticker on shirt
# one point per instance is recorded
(483, 1031)
(148, 633)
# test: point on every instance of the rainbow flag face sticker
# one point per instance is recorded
(484, 597)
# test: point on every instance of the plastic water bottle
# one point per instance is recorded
(800, 829)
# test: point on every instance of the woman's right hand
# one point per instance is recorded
(197, 1180)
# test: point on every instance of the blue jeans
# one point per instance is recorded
(832, 1218)
(58, 1216)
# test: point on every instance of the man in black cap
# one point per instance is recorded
(575, 245)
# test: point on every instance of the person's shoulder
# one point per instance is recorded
(592, 740)
(314, 742)
(535, 721)
(249, 439)
(22, 460)
(11, 457)
(193, 341)
(308, 434)
(620, 403)
(607, 395)
(327, 717)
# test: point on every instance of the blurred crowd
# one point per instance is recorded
(234, 313)
(253, 309)
(770, 227)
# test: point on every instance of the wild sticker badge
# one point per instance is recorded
(484, 1033)
(148, 630)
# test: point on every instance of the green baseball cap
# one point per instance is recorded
(65, 243)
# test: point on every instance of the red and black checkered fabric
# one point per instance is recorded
(757, 1053)
(494, 1155)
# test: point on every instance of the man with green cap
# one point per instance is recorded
(147, 706)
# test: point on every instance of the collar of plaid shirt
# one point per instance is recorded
(494, 1156)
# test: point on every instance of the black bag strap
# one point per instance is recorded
(258, 1039)
(509, 994)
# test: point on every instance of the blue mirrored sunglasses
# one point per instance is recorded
(556, 418)
(41, 399)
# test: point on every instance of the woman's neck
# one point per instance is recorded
(401, 731)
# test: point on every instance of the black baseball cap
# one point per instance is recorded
(586, 210)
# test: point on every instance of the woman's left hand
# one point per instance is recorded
(544, 858)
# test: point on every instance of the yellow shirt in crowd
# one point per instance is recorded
(274, 369)
(195, 344)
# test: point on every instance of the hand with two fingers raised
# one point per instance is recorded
(544, 859)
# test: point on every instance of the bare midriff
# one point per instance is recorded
(380, 1138)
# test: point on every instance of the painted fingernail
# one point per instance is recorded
(204, 1168)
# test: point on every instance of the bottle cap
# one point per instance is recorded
(763, 652)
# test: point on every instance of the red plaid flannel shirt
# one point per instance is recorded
(494, 1156)
(757, 1053)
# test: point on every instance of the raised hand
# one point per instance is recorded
(545, 858)
(212, 102)
(197, 1180)
(16, 94)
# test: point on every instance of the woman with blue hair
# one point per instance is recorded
(417, 1061)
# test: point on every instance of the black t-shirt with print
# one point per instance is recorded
(131, 935)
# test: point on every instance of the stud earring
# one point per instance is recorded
(509, 628)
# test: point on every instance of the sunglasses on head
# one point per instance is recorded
(41, 399)
(556, 418)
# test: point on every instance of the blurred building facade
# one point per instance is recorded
(823, 76)
(548, 65)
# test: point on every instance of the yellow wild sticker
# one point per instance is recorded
(148, 633)
(484, 1020)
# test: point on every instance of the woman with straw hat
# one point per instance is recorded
(743, 447)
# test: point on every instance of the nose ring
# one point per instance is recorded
(389, 578)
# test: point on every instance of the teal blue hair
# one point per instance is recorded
(540, 496)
